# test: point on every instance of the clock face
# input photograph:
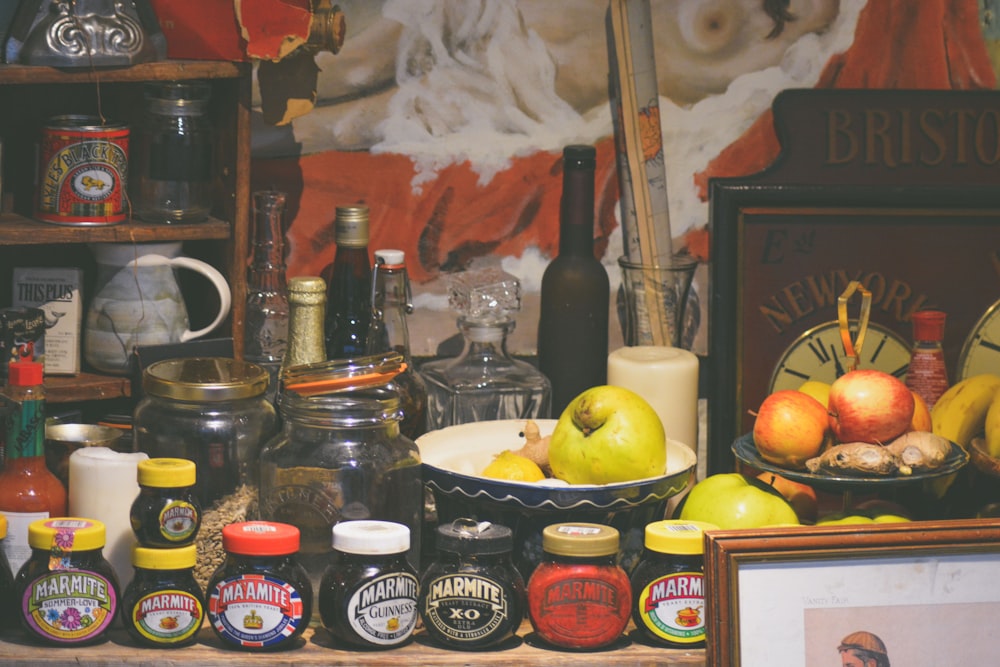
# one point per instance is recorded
(981, 351)
(818, 354)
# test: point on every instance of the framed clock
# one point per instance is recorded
(981, 350)
(787, 241)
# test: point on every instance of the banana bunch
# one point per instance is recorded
(992, 427)
(961, 414)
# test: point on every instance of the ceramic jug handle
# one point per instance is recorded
(221, 286)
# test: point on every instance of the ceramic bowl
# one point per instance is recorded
(453, 456)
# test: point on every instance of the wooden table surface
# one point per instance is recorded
(317, 648)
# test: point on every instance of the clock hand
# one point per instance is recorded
(836, 360)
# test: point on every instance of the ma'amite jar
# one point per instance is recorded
(260, 598)
(668, 584)
(163, 606)
(368, 593)
(166, 513)
(578, 596)
(472, 596)
(68, 591)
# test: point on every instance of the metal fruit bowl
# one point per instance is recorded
(453, 457)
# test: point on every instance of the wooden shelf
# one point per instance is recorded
(164, 70)
(86, 387)
(319, 649)
(18, 230)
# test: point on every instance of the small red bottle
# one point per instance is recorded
(927, 374)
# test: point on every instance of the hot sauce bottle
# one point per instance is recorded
(28, 490)
(927, 374)
(578, 596)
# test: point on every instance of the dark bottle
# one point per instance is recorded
(349, 286)
(265, 333)
(388, 333)
(575, 295)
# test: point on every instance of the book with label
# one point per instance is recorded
(57, 292)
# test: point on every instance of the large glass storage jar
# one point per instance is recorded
(210, 410)
(340, 456)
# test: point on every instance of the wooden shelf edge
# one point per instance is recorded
(163, 70)
(18, 230)
(85, 387)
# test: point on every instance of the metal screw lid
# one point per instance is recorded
(208, 379)
(580, 539)
(469, 537)
(350, 227)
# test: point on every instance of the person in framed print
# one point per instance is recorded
(863, 649)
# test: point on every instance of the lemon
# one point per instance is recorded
(818, 390)
(513, 467)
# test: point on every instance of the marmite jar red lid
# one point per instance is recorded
(260, 538)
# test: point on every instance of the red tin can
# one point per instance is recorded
(82, 171)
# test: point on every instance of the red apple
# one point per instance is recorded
(869, 405)
(789, 428)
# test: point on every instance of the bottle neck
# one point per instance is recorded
(388, 330)
(576, 213)
(268, 246)
(26, 428)
(305, 333)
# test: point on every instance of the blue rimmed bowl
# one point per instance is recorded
(453, 457)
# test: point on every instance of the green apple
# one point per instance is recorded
(842, 519)
(869, 511)
(605, 435)
(732, 500)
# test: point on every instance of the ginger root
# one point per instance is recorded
(921, 450)
(535, 446)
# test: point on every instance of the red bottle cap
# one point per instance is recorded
(25, 373)
(928, 325)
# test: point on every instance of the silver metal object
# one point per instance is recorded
(85, 33)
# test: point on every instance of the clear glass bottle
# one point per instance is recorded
(265, 332)
(340, 456)
(927, 374)
(484, 382)
(306, 307)
(172, 156)
(576, 292)
(391, 302)
(349, 286)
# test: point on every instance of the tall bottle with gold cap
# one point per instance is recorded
(349, 286)
(306, 308)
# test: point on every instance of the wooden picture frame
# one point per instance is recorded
(791, 596)
(786, 242)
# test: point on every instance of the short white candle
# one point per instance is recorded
(103, 486)
(667, 377)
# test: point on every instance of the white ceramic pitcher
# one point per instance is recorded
(137, 302)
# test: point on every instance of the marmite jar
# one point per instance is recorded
(166, 513)
(472, 596)
(163, 606)
(8, 604)
(67, 590)
(260, 598)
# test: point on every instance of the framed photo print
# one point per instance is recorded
(917, 594)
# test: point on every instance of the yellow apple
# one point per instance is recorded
(921, 414)
(817, 389)
(607, 434)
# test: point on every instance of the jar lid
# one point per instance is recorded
(928, 325)
(391, 258)
(469, 537)
(25, 373)
(338, 375)
(677, 536)
(350, 226)
(204, 379)
(166, 473)
(181, 558)
(580, 539)
(67, 534)
(260, 538)
(369, 537)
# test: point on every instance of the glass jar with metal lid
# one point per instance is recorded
(341, 455)
(210, 410)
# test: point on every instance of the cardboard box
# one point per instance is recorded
(22, 336)
(56, 291)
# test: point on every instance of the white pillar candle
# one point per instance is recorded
(103, 485)
(667, 377)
